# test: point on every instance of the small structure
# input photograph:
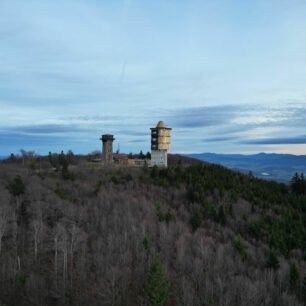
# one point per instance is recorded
(107, 149)
(160, 144)
(120, 158)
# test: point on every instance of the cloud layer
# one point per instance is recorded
(227, 77)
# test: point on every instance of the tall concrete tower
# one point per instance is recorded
(107, 150)
(160, 144)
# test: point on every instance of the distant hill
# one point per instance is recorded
(279, 167)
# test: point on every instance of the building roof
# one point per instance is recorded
(120, 156)
(161, 124)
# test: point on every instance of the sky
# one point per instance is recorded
(228, 76)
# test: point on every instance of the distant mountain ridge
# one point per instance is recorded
(279, 167)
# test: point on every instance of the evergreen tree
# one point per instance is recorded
(145, 243)
(157, 289)
(17, 186)
(272, 261)
(294, 278)
(240, 248)
(169, 216)
(61, 158)
(65, 171)
(160, 215)
(221, 215)
(303, 291)
(196, 219)
(141, 155)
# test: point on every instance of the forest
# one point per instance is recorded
(74, 232)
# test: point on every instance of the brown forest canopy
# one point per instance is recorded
(78, 233)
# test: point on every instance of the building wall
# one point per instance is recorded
(107, 152)
(159, 158)
(160, 138)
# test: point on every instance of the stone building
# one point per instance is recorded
(107, 148)
(160, 144)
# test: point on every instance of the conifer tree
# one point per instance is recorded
(157, 289)
(145, 243)
(17, 186)
(272, 261)
(196, 219)
(303, 291)
(221, 215)
(294, 278)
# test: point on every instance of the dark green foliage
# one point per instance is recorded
(98, 187)
(66, 174)
(157, 289)
(298, 184)
(148, 155)
(169, 216)
(62, 158)
(294, 278)
(230, 210)
(141, 155)
(240, 248)
(254, 229)
(221, 215)
(128, 177)
(284, 232)
(272, 261)
(17, 187)
(196, 219)
(21, 278)
(145, 243)
(143, 179)
(154, 172)
(303, 290)
(160, 214)
(114, 180)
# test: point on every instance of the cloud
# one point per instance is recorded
(276, 141)
(219, 139)
(47, 129)
(20, 140)
(205, 116)
(138, 140)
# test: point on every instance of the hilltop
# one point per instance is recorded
(81, 233)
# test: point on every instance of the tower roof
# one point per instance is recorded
(161, 124)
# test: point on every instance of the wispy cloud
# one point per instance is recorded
(276, 141)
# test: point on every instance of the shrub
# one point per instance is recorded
(160, 214)
(21, 278)
(17, 187)
(294, 278)
(145, 243)
(272, 261)
(169, 216)
(240, 248)
(196, 219)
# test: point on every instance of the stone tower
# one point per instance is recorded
(160, 144)
(107, 150)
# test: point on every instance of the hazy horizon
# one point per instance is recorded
(226, 76)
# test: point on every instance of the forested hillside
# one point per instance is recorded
(74, 232)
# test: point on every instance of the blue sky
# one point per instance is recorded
(227, 76)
